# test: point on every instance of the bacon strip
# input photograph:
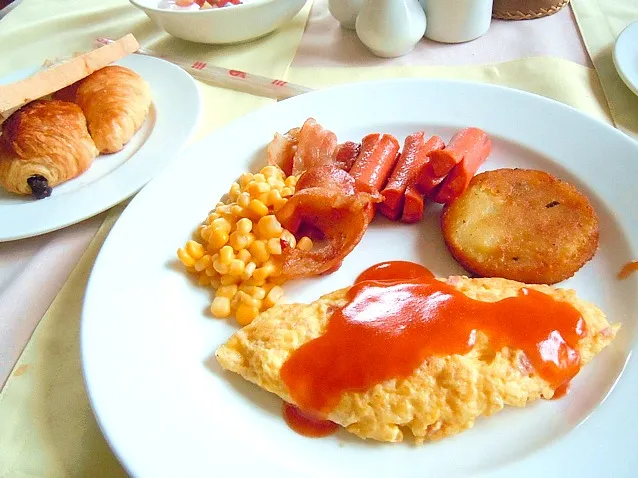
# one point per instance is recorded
(336, 209)
(346, 154)
(282, 149)
(316, 147)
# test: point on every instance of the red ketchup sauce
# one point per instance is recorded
(307, 424)
(628, 269)
(398, 315)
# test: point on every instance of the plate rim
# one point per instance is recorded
(91, 204)
(217, 135)
(633, 86)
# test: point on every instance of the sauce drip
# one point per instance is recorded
(561, 391)
(306, 424)
(628, 269)
(398, 315)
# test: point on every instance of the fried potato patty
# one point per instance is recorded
(521, 224)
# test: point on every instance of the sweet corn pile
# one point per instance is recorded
(237, 248)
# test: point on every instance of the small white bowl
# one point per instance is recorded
(231, 24)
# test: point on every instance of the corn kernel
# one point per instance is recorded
(255, 189)
(245, 314)
(274, 196)
(244, 255)
(185, 257)
(243, 200)
(217, 240)
(220, 307)
(259, 178)
(304, 244)
(223, 209)
(203, 263)
(228, 291)
(255, 292)
(226, 255)
(258, 207)
(240, 241)
(248, 270)
(236, 267)
(219, 267)
(238, 211)
(248, 300)
(215, 282)
(258, 251)
(274, 267)
(221, 224)
(228, 279)
(244, 225)
(289, 238)
(244, 179)
(210, 271)
(287, 191)
(261, 273)
(205, 232)
(270, 171)
(203, 279)
(277, 205)
(234, 191)
(211, 217)
(291, 181)
(275, 294)
(274, 246)
(265, 198)
(195, 249)
(269, 226)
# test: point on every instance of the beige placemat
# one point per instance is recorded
(600, 23)
(559, 79)
(46, 424)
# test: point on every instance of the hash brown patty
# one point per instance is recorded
(520, 224)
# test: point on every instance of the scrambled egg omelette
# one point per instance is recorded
(442, 397)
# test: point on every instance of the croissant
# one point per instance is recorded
(116, 101)
(43, 144)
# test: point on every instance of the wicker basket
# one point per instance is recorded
(526, 9)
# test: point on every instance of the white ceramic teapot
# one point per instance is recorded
(390, 28)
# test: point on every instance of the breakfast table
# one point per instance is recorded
(47, 427)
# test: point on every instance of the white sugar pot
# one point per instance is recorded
(457, 21)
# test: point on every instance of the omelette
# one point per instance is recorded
(443, 396)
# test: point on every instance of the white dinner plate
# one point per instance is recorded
(113, 177)
(148, 342)
(626, 56)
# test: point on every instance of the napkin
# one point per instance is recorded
(46, 424)
(600, 23)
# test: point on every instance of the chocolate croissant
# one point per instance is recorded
(115, 101)
(43, 144)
